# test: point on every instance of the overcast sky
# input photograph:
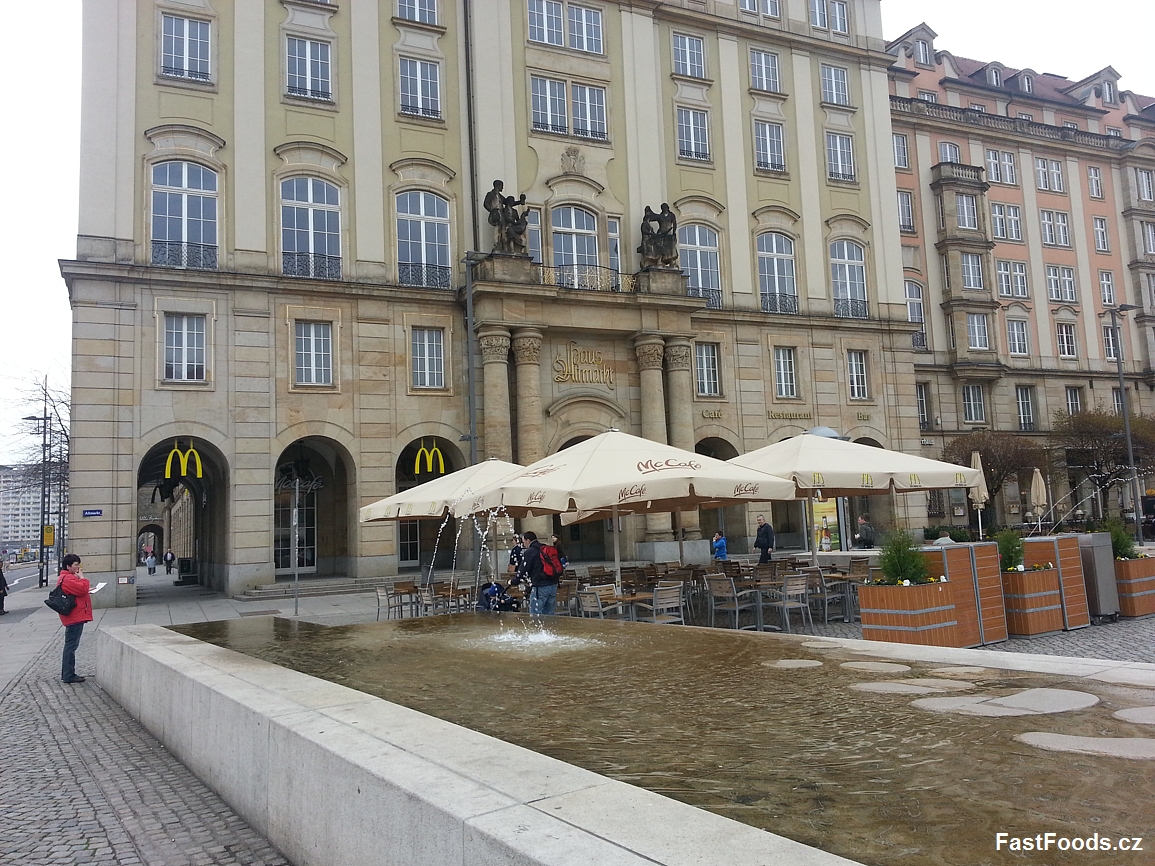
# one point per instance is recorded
(41, 150)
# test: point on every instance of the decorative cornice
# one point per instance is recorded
(527, 347)
(494, 346)
(650, 350)
(678, 355)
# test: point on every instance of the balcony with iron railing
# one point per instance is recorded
(712, 297)
(555, 128)
(845, 176)
(918, 341)
(851, 308)
(1027, 425)
(307, 93)
(587, 132)
(178, 72)
(419, 111)
(699, 155)
(311, 265)
(779, 302)
(770, 165)
(424, 276)
(167, 254)
(588, 278)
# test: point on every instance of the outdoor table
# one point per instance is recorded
(762, 587)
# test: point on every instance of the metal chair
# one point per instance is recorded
(392, 601)
(590, 605)
(827, 592)
(794, 595)
(725, 597)
(668, 605)
(428, 601)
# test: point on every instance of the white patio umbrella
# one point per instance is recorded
(1038, 496)
(979, 495)
(615, 473)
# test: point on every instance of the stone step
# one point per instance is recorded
(312, 587)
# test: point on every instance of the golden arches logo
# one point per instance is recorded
(867, 479)
(183, 457)
(429, 454)
(960, 479)
(818, 480)
(915, 481)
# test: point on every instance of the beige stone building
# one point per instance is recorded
(277, 199)
(1027, 209)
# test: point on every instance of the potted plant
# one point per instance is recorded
(1031, 594)
(1134, 573)
(907, 604)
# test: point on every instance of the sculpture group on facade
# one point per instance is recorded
(659, 248)
(508, 223)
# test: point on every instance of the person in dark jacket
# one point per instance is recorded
(765, 540)
(543, 595)
(865, 537)
(516, 566)
(73, 582)
(3, 590)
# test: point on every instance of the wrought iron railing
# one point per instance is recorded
(851, 308)
(418, 111)
(840, 175)
(178, 72)
(307, 93)
(310, 265)
(595, 134)
(778, 302)
(1026, 426)
(906, 227)
(767, 165)
(167, 254)
(924, 424)
(712, 297)
(427, 276)
(558, 129)
(918, 340)
(589, 278)
(686, 153)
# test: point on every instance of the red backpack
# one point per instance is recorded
(550, 562)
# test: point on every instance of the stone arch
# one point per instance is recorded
(326, 474)
(730, 520)
(429, 542)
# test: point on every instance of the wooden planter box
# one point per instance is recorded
(922, 614)
(1034, 602)
(1063, 551)
(1135, 580)
(972, 572)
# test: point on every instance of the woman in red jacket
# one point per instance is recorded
(73, 582)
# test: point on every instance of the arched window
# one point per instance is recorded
(575, 247)
(996, 78)
(184, 216)
(776, 273)
(698, 251)
(310, 228)
(848, 279)
(423, 240)
(948, 151)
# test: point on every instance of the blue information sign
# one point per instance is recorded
(93, 512)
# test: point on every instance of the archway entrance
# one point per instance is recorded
(879, 508)
(582, 542)
(731, 520)
(318, 469)
(182, 503)
(425, 543)
(149, 539)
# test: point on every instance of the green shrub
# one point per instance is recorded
(1122, 541)
(901, 560)
(1010, 549)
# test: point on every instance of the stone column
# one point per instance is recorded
(680, 382)
(494, 342)
(650, 349)
(530, 446)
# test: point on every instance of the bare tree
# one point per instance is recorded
(1004, 455)
(1092, 445)
(45, 452)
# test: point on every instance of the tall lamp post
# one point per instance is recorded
(1125, 408)
(42, 423)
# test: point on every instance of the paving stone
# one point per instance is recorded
(794, 663)
(877, 667)
(1029, 702)
(894, 688)
(1139, 715)
(1114, 747)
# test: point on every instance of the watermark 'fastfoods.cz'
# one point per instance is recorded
(1053, 841)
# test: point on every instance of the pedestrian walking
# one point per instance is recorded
(169, 559)
(3, 590)
(150, 561)
(765, 540)
(73, 582)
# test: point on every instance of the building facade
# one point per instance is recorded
(1026, 207)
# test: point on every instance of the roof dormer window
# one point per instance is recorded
(1108, 92)
(996, 78)
(1026, 84)
(922, 52)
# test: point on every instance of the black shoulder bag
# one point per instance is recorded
(60, 601)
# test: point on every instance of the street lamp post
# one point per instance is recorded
(42, 422)
(1125, 408)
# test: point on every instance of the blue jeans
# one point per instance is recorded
(71, 642)
(542, 600)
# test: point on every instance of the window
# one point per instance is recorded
(856, 374)
(1112, 351)
(1145, 183)
(922, 52)
(839, 156)
(1018, 342)
(309, 69)
(1070, 124)
(928, 96)
(1061, 284)
(689, 56)
(1012, 279)
(1114, 131)
(545, 22)
(424, 11)
(1117, 400)
(1027, 85)
(848, 279)
(914, 309)
(1095, 181)
(692, 134)
(763, 70)
(948, 151)
(1148, 238)
(776, 273)
(184, 348)
(901, 154)
(310, 228)
(785, 384)
(974, 409)
(944, 268)
(548, 105)
(996, 78)
(533, 234)
(1049, 174)
(1102, 240)
(314, 352)
(835, 85)
(818, 17)
(420, 90)
(905, 211)
(1006, 222)
(1025, 398)
(1074, 400)
(1107, 288)
(1065, 334)
(585, 29)
(922, 400)
(184, 216)
(941, 208)
(977, 337)
(706, 367)
(698, 251)
(979, 107)
(1024, 116)
(1001, 167)
(966, 207)
(614, 237)
(589, 111)
(1055, 229)
(423, 240)
(184, 49)
(575, 243)
(1151, 286)
(428, 358)
(769, 151)
(972, 270)
(839, 20)
(1108, 91)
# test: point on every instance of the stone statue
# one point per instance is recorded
(659, 247)
(508, 223)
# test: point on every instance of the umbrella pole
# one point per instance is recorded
(617, 552)
(681, 538)
(980, 514)
(813, 540)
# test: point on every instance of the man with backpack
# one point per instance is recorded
(544, 569)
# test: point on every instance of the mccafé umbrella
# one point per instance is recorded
(435, 498)
(1038, 496)
(979, 495)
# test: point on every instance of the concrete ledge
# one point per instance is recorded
(335, 777)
